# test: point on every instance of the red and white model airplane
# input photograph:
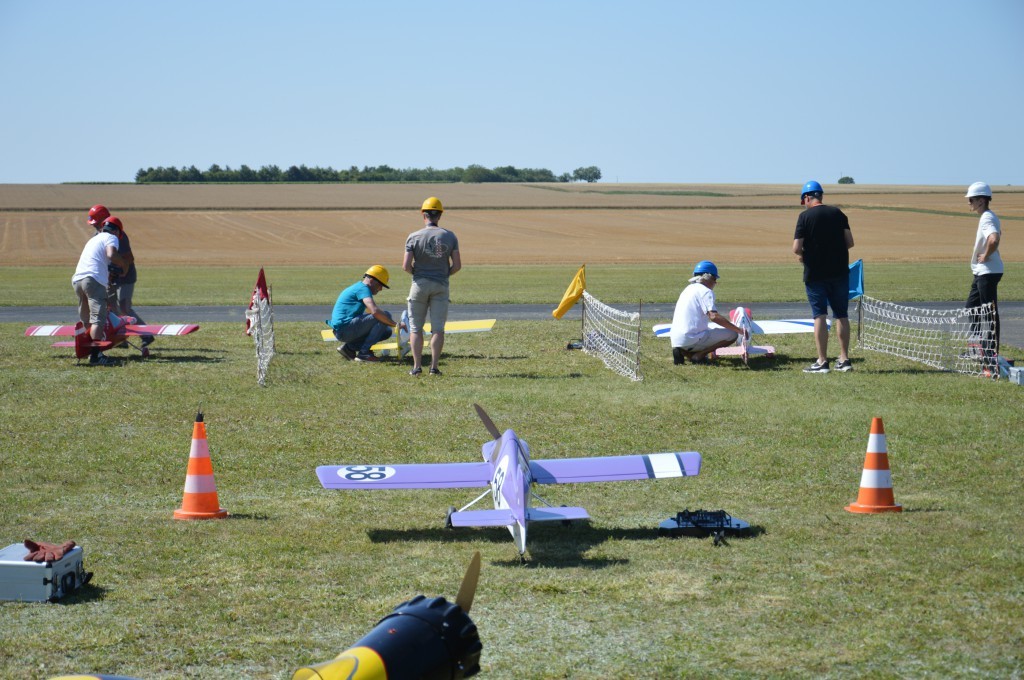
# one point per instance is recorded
(743, 349)
(742, 317)
(119, 330)
(509, 474)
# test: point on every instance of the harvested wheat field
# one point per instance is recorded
(331, 224)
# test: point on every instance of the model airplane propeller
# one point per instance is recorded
(422, 638)
(118, 330)
(510, 474)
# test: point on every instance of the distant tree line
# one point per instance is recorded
(474, 174)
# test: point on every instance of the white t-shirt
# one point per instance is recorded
(94, 260)
(690, 320)
(988, 224)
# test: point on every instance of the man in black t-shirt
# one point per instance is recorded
(822, 243)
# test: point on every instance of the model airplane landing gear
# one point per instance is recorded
(448, 517)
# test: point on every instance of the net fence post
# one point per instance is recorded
(583, 321)
(639, 329)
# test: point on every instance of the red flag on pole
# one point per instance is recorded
(259, 292)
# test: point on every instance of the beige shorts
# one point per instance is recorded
(428, 295)
(92, 301)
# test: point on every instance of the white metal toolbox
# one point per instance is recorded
(39, 581)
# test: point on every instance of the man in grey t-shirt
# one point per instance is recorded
(431, 256)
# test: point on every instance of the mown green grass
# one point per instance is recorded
(519, 284)
(298, 573)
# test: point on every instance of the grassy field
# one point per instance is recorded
(510, 284)
(298, 574)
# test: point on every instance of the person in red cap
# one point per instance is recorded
(122, 282)
(92, 276)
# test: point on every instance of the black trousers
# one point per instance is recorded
(984, 290)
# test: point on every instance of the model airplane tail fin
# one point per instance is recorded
(482, 518)
(555, 514)
(82, 341)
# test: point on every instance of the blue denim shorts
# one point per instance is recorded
(833, 293)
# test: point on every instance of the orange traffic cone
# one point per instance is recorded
(200, 501)
(876, 481)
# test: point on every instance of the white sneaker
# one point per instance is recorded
(817, 368)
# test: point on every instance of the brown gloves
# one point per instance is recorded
(46, 552)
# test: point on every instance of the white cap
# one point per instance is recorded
(978, 189)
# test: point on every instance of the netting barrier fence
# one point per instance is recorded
(612, 335)
(260, 325)
(961, 340)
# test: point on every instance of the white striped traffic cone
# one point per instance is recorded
(200, 499)
(876, 480)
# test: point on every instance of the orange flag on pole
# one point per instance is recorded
(573, 293)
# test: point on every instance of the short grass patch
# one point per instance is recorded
(498, 284)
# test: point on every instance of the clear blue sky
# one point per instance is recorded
(915, 92)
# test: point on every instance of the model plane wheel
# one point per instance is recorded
(566, 522)
(145, 352)
(448, 517)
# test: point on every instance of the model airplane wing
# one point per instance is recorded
(166, 329)
(783, 326)
(131, 329)
(764, 327)
(49, 330)
(752, 350)
(475, 326)
(482, 518)
(615, 468)
(414, 476)
(327, 335)
(504, 517)
(562, 514)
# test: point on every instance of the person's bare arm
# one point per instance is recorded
(378, 313)
(991, 243)
(456, 263)
(724, 322)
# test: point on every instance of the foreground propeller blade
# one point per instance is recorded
(488, 423)
(468, 588)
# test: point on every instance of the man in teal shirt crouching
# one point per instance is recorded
(357, 321)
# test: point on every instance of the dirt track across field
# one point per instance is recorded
(325, 224)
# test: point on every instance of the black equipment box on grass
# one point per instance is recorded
(703, 523)
(39, 581)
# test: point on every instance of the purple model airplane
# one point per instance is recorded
(509, 473)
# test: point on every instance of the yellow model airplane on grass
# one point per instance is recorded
(401, 345)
